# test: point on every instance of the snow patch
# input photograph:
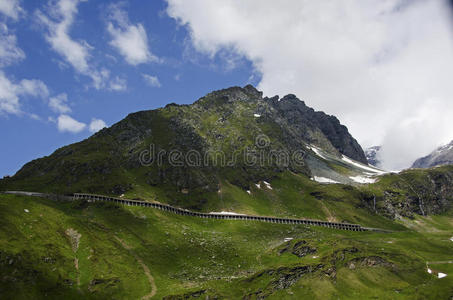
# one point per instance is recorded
(317, 152)
(323, 180)
(256, 115)
(268, 185)
(26, 210)
(362, 166)
(226, 213)
(362, 179)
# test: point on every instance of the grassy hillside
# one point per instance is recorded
(132, 252)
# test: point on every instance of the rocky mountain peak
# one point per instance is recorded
(441, 156)
(235, 93)
(372, 155)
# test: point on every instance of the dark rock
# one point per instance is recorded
(190, 295)
(303, 118)
(301, 249)
(281, 278)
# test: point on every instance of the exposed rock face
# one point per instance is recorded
(423, 192)
(372, 155)
(303, 119)
(300, 249)
(441, 156)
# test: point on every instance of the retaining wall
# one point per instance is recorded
(185, 212)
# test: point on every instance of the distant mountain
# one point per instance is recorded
(372, 155)
(439, 157)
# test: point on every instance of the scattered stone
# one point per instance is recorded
(74, 238)
(369, 261)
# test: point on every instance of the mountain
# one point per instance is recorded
(230, 126)
(372, 155)
(441, 156)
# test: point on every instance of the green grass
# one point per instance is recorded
(224, 258)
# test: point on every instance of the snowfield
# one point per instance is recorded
(362, 166)
(317, 152)
(323, 180)
(362, 179)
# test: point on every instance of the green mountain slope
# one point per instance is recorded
(228, 129)
(80, 250)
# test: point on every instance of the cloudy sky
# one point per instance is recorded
(70, 67)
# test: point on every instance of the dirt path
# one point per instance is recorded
(145, 268)
(329, 215)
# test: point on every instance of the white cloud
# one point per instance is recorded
(96, 125)
(32, 87)
(9, 100)
(152, 80)
(118, 84)
(58, 22)
(67, 124)
(59, 104)
(10, 8)
(11, 92)
(374, 63)
(130, 40)
(9, 51)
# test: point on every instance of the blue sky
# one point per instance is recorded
(50, 96)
